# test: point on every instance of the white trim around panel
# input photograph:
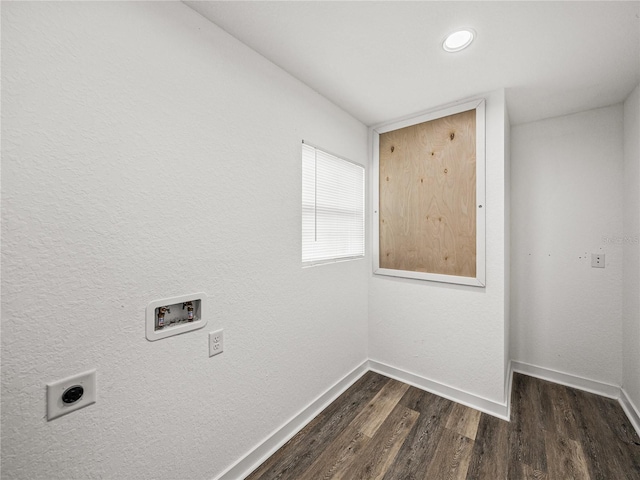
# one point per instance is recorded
(478, 105)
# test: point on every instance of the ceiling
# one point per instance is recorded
(383, 60)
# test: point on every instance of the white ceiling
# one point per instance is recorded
(383, 60)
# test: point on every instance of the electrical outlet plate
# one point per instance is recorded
(56, 407)
(216, 342)
(597, 260)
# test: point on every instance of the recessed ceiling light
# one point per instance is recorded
(458, 40)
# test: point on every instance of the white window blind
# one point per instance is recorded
(332, 207)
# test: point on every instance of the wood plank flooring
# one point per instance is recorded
(384, 429)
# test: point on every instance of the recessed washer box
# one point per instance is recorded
(171, 316)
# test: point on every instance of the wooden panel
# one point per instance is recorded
(428, 195)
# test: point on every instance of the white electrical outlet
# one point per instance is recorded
(71, 393)
(597, 260)
(216, 342)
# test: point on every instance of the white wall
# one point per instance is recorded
(631, 250)
(452, 334)
(507, 254)
(147, 154)
(566, 201)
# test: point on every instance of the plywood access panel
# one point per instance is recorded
(427, 196)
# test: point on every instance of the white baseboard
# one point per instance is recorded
(281, 435)
(490, 407)
(567, 379)
(633, 413)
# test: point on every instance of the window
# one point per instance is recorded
(429, 215)
(332, 207)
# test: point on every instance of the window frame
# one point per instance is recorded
(477, 104)
(324, 261)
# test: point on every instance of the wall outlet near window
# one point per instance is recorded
(597, 260)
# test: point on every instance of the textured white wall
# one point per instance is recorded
(567, 204)
(452, 334)
(146, 154)
(631, 249)
(507, 249)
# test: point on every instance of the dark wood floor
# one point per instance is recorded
(383, 429)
